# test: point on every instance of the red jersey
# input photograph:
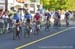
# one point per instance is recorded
(37, 17)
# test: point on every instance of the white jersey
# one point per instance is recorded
(5, 16)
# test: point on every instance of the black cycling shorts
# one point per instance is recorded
(28, 20)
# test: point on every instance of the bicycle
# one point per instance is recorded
(37, 28)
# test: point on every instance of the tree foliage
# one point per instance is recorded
(58, 4)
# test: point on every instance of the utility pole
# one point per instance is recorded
(6, 5)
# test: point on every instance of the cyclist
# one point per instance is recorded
(67, 14)
(17, 24)
(28, 18)
(48, 16)
(57, 19)
(37, 18)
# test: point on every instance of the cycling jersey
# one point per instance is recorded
(37, 17)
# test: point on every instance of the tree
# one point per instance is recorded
(58, 4)
(70, 4)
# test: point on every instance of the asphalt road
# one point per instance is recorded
(56, 38)
(65, 40)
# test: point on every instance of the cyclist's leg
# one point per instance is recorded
(46, 25)
(29, 27)
(17, 32)
(67, 23)
(38, 27)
